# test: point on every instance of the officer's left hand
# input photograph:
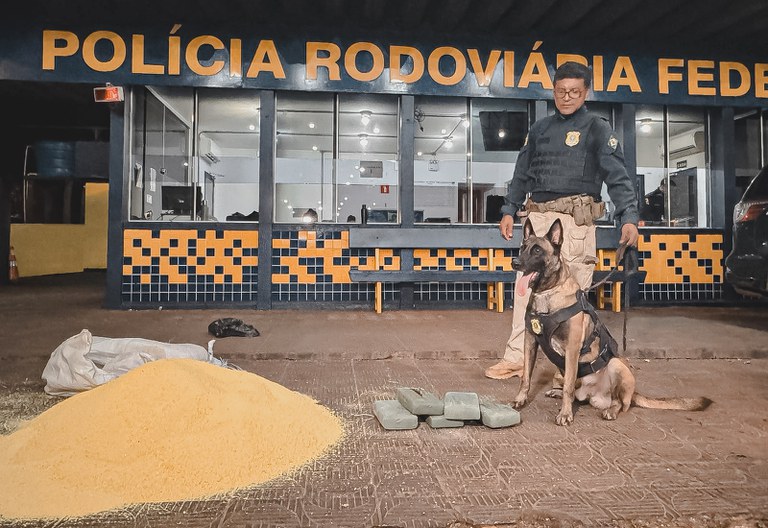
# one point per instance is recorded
(629, 235)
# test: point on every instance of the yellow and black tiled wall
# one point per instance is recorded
(681, 266)
(220, 265)
(459, 260)
(189, 265)
(314, 266)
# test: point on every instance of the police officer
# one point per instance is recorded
(559, 175)
(654, 203)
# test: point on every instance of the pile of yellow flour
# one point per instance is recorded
(171, 430)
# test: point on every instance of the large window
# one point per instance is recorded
(336, 155)
(228, 154)
(748, 146)
(672, 166)
(162, 187)
(465, 155)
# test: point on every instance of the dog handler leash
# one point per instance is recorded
(630, 269)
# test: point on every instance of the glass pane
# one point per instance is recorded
(228, 154)
(498, 131)
(366, 170)
(688, 174)
(162, 187)
(651, 164)
(441, 185)
(304, 164)
(747, 147)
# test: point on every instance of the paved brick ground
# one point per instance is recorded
(648, 468)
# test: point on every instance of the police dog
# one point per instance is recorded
(591, 370)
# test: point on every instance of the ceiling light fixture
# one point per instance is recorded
(314, 147)
(502, 133)
(363, 140)
(465, 121)
(365, 118)
(311, 124)
(376, 130)
(419, 153)
(449, 142)
(645, 125)
(251, 127)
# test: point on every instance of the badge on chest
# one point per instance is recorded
(572, 138)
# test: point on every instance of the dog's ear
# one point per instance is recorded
(527, 229)
(555, 234)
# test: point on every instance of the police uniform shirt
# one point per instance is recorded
(572, 155)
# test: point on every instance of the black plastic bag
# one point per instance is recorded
(231, 327)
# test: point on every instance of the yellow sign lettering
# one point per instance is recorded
(174, 55)
(193, 58)
(138, 65)
(745, 79)
(623, 75)
(460, 66)
(696, 77)
(266, 59)
(331, 62)
(118, 51)
(395, 64)
(666, 76)
(483, 75)
(51, 50)
(509, 69)
(535, 71)
(350, 61)
(761, 80)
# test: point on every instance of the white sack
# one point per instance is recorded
(84, 361)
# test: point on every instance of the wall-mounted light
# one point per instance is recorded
(465, 121)
(314, 147)
(645, 125)
(311, 124)
(449, 142)
(502, 133)
(251, 127)
(363, 140)
(376, 130)
(419, 153)
(365, 118)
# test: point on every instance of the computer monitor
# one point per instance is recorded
(178, 199)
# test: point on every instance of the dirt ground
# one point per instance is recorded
(649, 468)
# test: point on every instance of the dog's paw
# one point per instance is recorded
(564, 418)
(554, 393)
(610, 414)
(519, 402)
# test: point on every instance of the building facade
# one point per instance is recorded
(239, 164)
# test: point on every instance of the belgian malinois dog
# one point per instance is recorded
(561, 321)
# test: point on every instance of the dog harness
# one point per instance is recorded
(543, 326)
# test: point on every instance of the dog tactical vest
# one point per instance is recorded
(543, 326)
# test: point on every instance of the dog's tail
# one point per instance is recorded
(675, 404)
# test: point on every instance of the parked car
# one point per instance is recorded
(746, 267)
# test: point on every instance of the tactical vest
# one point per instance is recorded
(544, 325)
(564, 158)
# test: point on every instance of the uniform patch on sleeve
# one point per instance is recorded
(613, 142)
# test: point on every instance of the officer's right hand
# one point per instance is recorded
(506, 226)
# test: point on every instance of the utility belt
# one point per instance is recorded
(583, 208)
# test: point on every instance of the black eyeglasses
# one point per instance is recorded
(573, 93)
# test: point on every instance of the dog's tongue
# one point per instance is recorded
(523, 283)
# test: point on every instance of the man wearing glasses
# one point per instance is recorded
(559, 175)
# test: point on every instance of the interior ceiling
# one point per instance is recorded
(717, 26)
